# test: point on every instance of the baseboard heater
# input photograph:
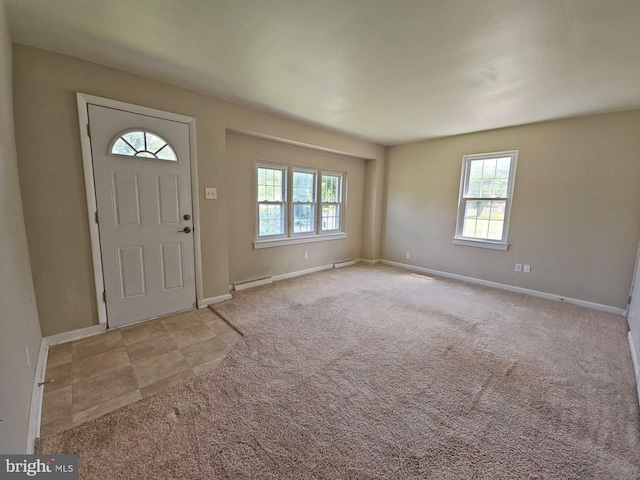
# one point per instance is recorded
(344, 263)
(252, 283)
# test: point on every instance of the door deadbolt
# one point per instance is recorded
(187, 216)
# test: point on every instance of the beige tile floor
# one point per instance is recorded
(95, 375)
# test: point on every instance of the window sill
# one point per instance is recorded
(280, 242)
(480, 244)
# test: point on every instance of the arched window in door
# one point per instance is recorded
(141, 143)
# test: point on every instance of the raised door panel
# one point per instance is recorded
(172, 265)
(133, 275)
(125, 192)
(168, 191)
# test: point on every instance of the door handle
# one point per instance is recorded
(185, 230)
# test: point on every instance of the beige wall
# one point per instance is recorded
(51, 173)
(18, 313)
(245, 263)
(575, 214)
(574, 217)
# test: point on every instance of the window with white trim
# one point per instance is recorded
(484, 206)
(296, 202)
(272, 201)
(304, 201)
(331, 201)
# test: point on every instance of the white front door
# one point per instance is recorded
(142, 174)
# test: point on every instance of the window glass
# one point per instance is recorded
(271, 208)
(303, 186)
(330, 188)
(303, 218)
(143, 144)
(303, 197)
(485, 198)
(271, 220)
(331, 198)
(270, 185)
(295, 201)
(331, 217)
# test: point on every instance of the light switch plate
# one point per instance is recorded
(527, 268)
(211, 193)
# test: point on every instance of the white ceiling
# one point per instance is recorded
(387, 70)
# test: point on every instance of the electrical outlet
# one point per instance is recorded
(211, 193)
(527, 268)
(306, 255)
(518, 267)
(408, 256)
(28, 355)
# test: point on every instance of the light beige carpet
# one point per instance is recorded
(371, 372)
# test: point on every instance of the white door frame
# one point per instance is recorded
(89, 182)
(633, 342)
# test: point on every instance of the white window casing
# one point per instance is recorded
(331, 202)
(271, 201)
(484, 202)
(297, 205)
(304, 184)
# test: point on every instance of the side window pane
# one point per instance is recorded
(271, 220)
(331, 202)
(331, 217)
(503, 168)
(270, 185)
(330, 188)
(271, 197)
(474, 181)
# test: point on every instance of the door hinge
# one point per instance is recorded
(88, 130)
(629, 302)
(97, 221)
(104, 296)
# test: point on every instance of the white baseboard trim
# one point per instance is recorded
(284, 276)
(636, 365)
(252, 283)
(205, 302)
(510, 288)
(367, 261)
(344, 263)
(35, 410)
(75, 334)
